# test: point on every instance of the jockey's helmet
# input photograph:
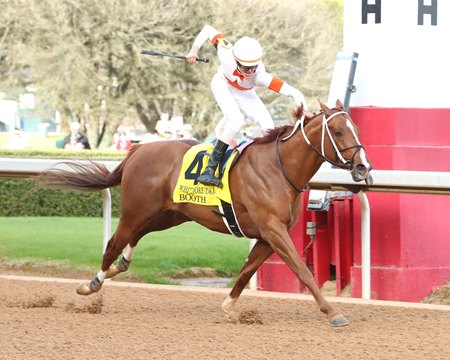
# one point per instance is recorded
(248, 54)
(247, 51)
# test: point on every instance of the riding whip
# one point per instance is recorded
(154, 53)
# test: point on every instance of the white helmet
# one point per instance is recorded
(247, 51)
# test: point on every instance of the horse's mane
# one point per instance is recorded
(272, 134)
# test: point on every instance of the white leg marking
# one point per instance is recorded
(228, 304)
(101, 275)
(128, 252)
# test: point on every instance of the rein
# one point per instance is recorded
(282, 169)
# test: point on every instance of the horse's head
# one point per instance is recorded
(336, 141)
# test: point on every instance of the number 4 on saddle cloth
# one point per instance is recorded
(189, 190)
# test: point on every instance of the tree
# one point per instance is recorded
(84, 56)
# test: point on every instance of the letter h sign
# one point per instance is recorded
(422, 9)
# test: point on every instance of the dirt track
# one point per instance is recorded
(47, 320)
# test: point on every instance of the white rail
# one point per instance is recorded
(415, 182)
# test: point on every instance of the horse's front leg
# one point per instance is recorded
(279, 239)
(112, 251)
(258, 254)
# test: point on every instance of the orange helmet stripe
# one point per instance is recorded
(248, 61)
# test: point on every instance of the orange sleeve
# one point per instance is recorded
(217, 37)
(276, 84)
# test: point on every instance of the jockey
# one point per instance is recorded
(240, 71)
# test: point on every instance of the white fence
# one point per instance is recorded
(414, 182)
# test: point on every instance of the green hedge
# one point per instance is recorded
(19, 197)
(65, 154)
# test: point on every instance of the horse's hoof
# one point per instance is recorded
(231, 316)
(87, 289)
(339, 320)
(112, 271)
(229, 312)
(83, 289)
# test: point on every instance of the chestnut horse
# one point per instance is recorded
(265, 183)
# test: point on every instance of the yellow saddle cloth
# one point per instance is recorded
(189, 190)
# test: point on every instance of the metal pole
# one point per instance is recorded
(365, 244)
(106, 217)
(253, 283)
(350, 87)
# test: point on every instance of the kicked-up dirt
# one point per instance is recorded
(44, 318)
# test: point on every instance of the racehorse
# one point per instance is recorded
(266, 184)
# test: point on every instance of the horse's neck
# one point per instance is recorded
(299, 160)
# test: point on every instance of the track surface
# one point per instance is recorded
(45, 319)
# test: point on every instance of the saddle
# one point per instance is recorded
(189, 190)
(226, 156)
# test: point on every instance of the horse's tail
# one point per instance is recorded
(83, 176)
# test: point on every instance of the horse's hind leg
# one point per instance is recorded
(259, 253)
(122, 237)
(123, 263)
(127, 235)
(164, 221)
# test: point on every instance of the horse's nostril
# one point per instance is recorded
(361, 168)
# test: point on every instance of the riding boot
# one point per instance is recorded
(208, 177)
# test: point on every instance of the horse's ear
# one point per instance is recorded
(324, 108)
(339, 105)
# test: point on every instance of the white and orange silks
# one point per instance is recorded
(235, 94)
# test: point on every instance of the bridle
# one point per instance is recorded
(340, 162)
(343, 164)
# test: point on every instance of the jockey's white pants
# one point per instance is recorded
(237, 104)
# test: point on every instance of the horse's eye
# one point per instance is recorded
(338, 134)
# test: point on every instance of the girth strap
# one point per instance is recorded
(229, 218)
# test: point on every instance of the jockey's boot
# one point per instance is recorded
(208, 177)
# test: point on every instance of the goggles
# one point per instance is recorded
(248, 70)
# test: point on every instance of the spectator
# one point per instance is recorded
(187, 132)
(76, 140)
(121, 140)
(152, 137)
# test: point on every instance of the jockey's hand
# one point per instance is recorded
(192, 56)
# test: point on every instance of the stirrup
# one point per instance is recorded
(208, 179)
